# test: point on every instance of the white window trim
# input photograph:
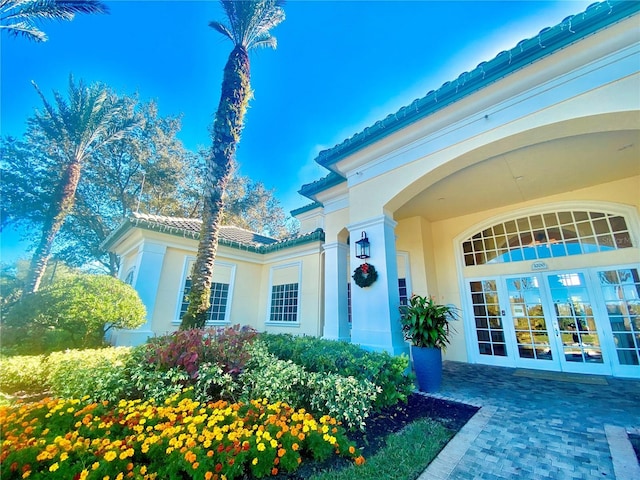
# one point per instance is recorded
(185, 271)
(268, 321)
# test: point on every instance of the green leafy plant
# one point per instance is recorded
(348, 399)
(23, 374)
(97, 374)
(426, 323)
(76, 311)
(387, 372)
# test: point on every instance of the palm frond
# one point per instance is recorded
(18, 17)
(25, 29)
(250, 21)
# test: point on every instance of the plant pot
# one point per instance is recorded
(427, 363)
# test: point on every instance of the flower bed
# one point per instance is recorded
(181, 438)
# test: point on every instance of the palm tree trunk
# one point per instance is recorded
(58, 211)
(229, 120)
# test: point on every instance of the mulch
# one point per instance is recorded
(452, 415)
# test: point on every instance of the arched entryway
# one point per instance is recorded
(554, 289)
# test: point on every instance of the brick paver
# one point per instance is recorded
(537, 428)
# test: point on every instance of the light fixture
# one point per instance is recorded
(362, 247)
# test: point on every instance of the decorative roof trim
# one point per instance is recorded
(149, 224)
(331, 180)
(306, 208)
(548, 41)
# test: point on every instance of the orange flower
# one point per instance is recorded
(360, 460)
(274, 471)
(352, 449)
(295, 447)
(208, 476)
(281, 452)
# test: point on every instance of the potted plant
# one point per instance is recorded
(425, 324)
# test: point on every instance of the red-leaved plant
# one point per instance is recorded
(188, 349)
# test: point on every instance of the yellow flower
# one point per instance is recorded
(26, 474)
(84, 474)
(261, 447)
(274, 443)
(64, 456)
(254, 461)
(95, 466)
(143, 470)
(54, 467)
(110, 455)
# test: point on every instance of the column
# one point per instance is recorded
(336, 323)
(375, 314)
(149, 263)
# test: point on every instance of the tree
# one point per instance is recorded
(250, 205)
(88, 121)
(147, 170)
(249, 25)
(19, 17)
(74, 311)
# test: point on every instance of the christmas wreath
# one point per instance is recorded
(365, 275)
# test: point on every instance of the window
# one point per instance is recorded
(284, 303)
(218, 300)
(554, 234)
(402, 290)
(129, 278)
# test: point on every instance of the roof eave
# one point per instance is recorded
(548, 41)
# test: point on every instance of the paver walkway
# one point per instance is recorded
(539, 425)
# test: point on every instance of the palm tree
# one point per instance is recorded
(78, 127)
(18, 17)
(249, 25)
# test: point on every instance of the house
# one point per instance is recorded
(512, 192)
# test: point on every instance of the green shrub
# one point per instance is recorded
(208, 360)
(98, 374)
(278, 380)
(348, 360)
(27, 374)
(149, 381)
(73, 312)
(348, 399)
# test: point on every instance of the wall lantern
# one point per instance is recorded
(362, 247)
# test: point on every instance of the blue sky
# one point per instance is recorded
(339, 67)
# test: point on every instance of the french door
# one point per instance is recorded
(582, 321)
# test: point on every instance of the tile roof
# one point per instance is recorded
(230, 236)
(549, 40)
(191, 227)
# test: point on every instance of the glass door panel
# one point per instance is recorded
(527, 312)
(577, 328)
(621, 291)
(488, 320)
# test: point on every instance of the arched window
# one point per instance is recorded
(129, 278)
(545, 235)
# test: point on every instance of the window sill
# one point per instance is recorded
(282, 324)
(208, 324)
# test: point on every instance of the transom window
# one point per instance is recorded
(554, 234)
(284, 303)
(218, 300)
